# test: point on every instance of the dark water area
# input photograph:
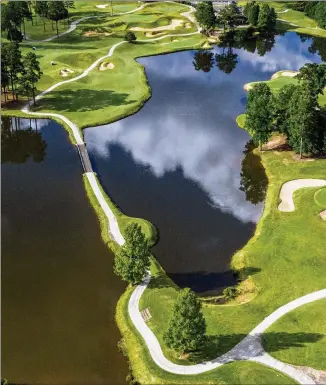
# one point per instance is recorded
(182, 162)
(59, 292)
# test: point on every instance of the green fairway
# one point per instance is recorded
(320, 197)
(309, 320)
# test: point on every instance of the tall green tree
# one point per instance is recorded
(253, 14)
(281, 107)
(259, 113)
(11, 20)
(267, 17)
(228, 16)
(203, 61)
(14, 65)
(69, 5)
(41, 9)
(303, 135)
(205, 15)
(23, 9)
(56, 12)
(31, 74)
(5, 75)
(187, 327)
(132, 261)
(315, 75)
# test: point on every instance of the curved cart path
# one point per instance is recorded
(250, 348)
(288, 188)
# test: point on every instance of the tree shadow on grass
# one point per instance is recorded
(82, 100)
(272, 342)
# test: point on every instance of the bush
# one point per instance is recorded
(130, 37)
(230, 292)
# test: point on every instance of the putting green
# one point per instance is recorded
(320, 197)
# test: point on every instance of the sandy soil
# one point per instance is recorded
(175, 24)
(94, 34)
(66, 72)
(106, 66)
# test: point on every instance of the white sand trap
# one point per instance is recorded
(65, 72)
(323, 215)
(102, 6)
(288, 188)
(175, 24)
(247, 86)
(288, 73)
(106, 66)
(94, 34)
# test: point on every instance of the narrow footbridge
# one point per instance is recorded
(84, 157)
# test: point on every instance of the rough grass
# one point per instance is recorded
(305, 353)
(147, 372)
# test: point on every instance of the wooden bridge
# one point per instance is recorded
(84, 157)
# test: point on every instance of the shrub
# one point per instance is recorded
(230, 292)
(130, 37)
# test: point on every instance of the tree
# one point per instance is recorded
(303, 134)
(69, 4)
(132, 261)
(31, 74)
(253, 14)
(228, 16)
(187, 327)
(56, 12)
(14, 64)
(42, 9)
(259, 113)
(130, 37)
(23, 9)
(11, 20)
(203, 61)
(320, 14)
(205, 15)
(315, 75)
(5, 76)
(281, 107)
(267, 17)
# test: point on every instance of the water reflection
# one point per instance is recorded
(18, 144)
(179, 161)
(253, 178)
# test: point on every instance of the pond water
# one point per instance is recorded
(59, 292)
(179, 162)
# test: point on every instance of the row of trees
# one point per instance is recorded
(261, 16)
(17, 72)
(186, 329)
(15, 13)
(294, 111)
(314, 9)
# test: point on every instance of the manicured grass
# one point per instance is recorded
(147, 372)
(279, 82)
(285, 259)
(105, 96)
(148, 229)
(320, 197)
(311, 352)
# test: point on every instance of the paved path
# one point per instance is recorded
(250, 348)
(288, 188)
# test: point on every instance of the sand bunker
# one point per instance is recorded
(102, 6)
(106, 66)
(323, 215)
(285, 73)
(94, 34)
(247, 86)
(175, 24)
(66, 72)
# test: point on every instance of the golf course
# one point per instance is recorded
(272, 330)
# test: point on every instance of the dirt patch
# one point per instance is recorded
(66, 72)
(276, 143)
(303, 159)
(288, 73)
(94, 34)
(318, 375)
(174, 24)
(106, 66)
(323, 216)
(151, 34)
